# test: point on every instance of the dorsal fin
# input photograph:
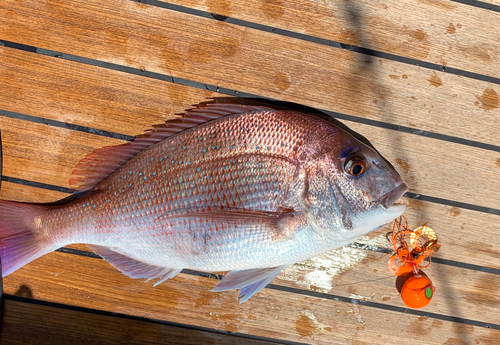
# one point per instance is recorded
(101, 163)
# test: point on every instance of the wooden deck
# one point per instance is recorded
(419, 78)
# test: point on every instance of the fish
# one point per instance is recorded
(248, 189)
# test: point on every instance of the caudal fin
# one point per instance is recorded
(19, 243)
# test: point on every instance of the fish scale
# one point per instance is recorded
(159, 189)
(227, 187)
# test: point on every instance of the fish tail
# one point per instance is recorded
(20, 241)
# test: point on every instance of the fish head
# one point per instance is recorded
(350, 188)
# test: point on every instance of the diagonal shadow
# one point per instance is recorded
(367, 64)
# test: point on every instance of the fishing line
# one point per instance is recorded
(364, 281)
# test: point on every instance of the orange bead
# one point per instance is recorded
(417, 291)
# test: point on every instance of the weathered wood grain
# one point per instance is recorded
(152, 39)
(213, 52)
(367, 278)
(441, 32)
(22, 193)
(26, 323)
(55, 151)
(93, 283)
(89, 96)
(470, 172)
(469, 236)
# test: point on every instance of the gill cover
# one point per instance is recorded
(324, 205)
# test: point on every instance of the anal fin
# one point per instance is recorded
(133, 268)
(249, 282)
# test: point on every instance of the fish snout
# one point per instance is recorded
(388, 199)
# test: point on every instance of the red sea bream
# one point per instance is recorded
(226, 187)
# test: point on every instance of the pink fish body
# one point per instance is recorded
(227, 187)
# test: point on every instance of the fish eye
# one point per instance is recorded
(355, 165)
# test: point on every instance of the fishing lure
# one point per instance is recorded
(411, 247)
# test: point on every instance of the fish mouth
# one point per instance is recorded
(385, 213)
(388, 199)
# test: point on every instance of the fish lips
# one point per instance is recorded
(388, 199)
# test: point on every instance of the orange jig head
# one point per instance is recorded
(417, 291)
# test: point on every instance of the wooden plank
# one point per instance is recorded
(87, 95)
(467, 236)
(441, 32)
(92, 283)
(55, 151)
(368, 278)
(468, 176)
(22, 193)
(217, 53)
(32, 324)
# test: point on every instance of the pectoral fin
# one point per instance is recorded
(280, 223)
(249, 282)
(133, 268)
